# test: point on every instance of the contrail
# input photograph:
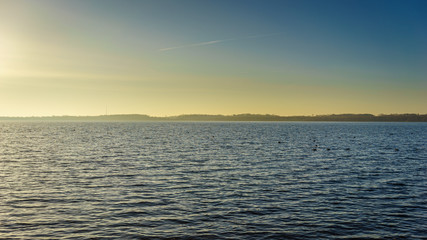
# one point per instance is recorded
(217, 41)
(196, 44)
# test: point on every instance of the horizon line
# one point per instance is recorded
(218, 114)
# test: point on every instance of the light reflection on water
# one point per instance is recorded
(213, 180)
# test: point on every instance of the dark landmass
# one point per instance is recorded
(237, 117)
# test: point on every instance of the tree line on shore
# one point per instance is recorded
(236, 117)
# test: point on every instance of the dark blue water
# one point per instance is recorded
(213, 180)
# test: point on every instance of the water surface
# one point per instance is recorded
(197, 180)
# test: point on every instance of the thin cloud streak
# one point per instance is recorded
(196, 44)
(216, 41)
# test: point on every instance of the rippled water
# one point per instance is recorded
(213, 180)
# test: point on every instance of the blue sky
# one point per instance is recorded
(175, 57)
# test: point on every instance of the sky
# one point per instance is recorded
(169, 57)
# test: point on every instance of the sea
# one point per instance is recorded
(213, 180)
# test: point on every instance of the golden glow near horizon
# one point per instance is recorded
(76, 57)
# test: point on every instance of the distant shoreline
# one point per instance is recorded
(233, 118)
